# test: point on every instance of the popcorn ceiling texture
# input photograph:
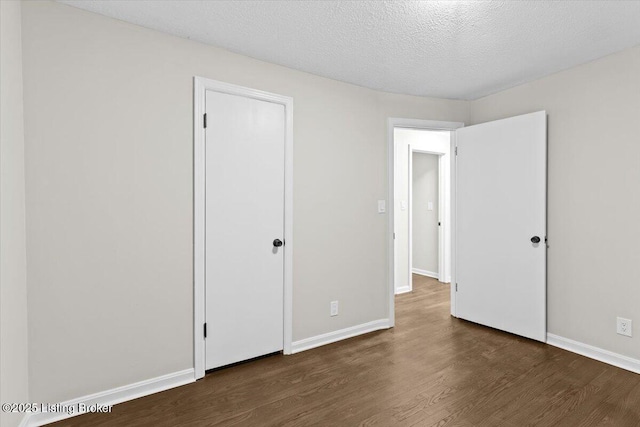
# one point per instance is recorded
(458, 50)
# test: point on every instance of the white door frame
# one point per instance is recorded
(200, 86)
(392, 123)
(441, 250)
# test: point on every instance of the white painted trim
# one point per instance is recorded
(454, 222)
(392, 123)
(403, 290)
(199, 159)
(288, 227)
(25, 420)
(391, 250)
(114, 396)
(443, 220)
(432, 274)
(201, 85)
(596, 353)
(397, 122)
(342, 334)
(410, 215)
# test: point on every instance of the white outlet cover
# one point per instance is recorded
(624, 326)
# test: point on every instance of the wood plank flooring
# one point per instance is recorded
(430, 370)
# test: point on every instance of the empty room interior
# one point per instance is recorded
(319, 213)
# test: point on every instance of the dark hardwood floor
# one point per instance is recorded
(430, 370)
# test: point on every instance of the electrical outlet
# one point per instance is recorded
(334, 308)
(624, 327)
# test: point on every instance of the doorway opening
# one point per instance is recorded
(421, 175)
(426, 216)
(497, 220)
(422, 203)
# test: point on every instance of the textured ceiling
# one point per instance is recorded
(446, 49)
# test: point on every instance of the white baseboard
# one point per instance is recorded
(425, 273)
(403, 290)
(25, 421)
(113, 396)
(596, 353)
(331, 337)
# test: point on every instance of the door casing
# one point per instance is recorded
(201, 85)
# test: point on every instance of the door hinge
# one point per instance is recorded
(205, 330)
(394, 236)
(456, 287)
(456, 151)
(204, 120)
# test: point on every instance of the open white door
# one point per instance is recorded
(501, 194)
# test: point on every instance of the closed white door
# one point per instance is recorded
(501, 224)
(245, 142)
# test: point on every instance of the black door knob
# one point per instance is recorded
(277, 243)
(535, 239)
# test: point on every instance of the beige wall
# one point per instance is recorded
(594, 200)
(424, 229)
(13, 282)
(109, 196)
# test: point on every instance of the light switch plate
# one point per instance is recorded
(403, 205)
(333, 308)
(429, 206)
(382, 206)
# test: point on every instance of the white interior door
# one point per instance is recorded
(500, 210)
(244, 267)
